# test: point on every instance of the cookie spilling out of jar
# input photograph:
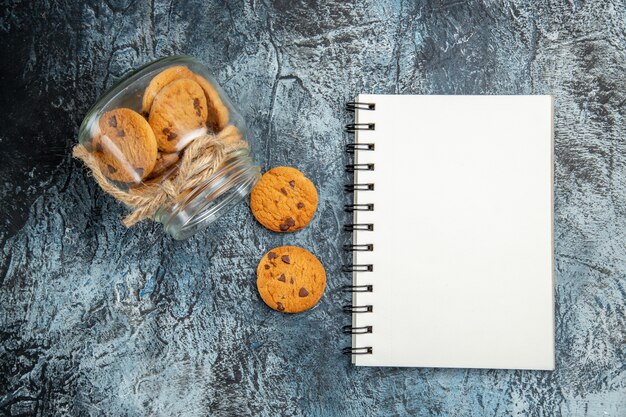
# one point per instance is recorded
(166, 142)
(177, 107)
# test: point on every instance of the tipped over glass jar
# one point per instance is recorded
(167, 142)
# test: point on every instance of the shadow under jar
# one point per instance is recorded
(156, 131)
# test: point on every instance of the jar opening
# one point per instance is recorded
(228, 185)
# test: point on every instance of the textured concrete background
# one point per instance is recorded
(99, 320)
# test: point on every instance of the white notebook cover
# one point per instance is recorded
(463, 255)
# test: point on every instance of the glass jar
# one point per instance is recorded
(156, 131)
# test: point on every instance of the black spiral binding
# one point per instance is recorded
(367, 247)
(358, 288)
(358, 268)
(358, 187)
(351, 147)
(359, 207)
(352, 227)
(359, 167)
(358, 309)
(353, 105)
(353, 127)
(357, 330)
(357, 351)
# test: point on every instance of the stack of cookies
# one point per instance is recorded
(178, 106)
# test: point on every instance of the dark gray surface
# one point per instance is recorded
(99, 320)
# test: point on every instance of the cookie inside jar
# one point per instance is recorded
(145, 143)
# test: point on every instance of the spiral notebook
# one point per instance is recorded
(452, 232)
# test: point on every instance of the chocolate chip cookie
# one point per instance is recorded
(178, 114)
(125, 146)
(290, 279)
(284, 200)
(164, 162)
(217, 116)
(161, 80)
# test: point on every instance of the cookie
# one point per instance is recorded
(163, 163)
(178, 114)
(218, 113)
(284, 200)
(125, 147)
(159, 81)
(290, 279)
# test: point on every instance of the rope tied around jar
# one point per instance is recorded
(198, 162)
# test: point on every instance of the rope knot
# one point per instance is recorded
(169, 189)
